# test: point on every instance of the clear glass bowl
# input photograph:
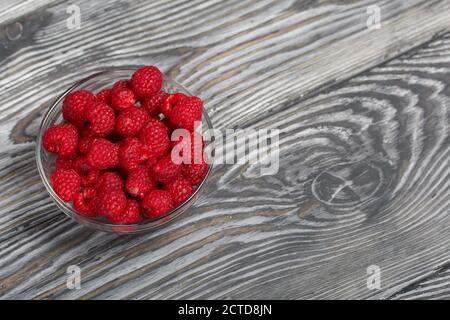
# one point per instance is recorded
(45, 161)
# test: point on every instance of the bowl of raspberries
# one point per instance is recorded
(122, 150)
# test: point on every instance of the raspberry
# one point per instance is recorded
(195, 173)
(186, 113)
(110, 203)
(104, 96)
(80, 165)
(84, 131)
(180, 190)
(89, 176)
(155, 135)
(76, 105)
(169, 101)
(121, 85)
(151, 162)
(130, 215)
(109, 181)
(101, 120)
(152, 103)
(147, 81)
(130, 121)
(63, 163)
(82, 202)
(139, 182)
(150, 165)
(132, 153)
(122, 99)
(65, 183)
(166, 171)
(61, 139)
(84, 143)
(157, 203)
(103, 154)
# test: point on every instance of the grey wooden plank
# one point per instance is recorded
(248, 237)
(435, 286)
(13, 9)
(274, 237)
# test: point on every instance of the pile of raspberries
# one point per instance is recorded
(114, 149)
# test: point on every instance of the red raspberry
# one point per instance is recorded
(139, 182)
(155, 135)
(84, 143)
(166, 171)
(101, 120)
(180, 190)
(131, 214)
(61, 139)
(80, 165)
(110, 203)
(132, 153)
(63, 163)
(147, 81)
(84, 130)
(103, 154)
(151, 162)
(186, 113)
(89, 176)
(104, 96)
(76, 105)
(65, 183)
(130, 121)
(195, 173)
(169, 102)
(157, 203)
(121, 85)
(109, 181)
(152, 103)
(122, 99)
(82, 202)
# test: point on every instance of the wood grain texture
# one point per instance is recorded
(364, 166)
(435, 286)
(12, 9)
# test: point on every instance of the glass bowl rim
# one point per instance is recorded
(144, 225)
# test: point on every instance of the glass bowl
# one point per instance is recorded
(45, 160)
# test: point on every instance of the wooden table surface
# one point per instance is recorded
(364, 177)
